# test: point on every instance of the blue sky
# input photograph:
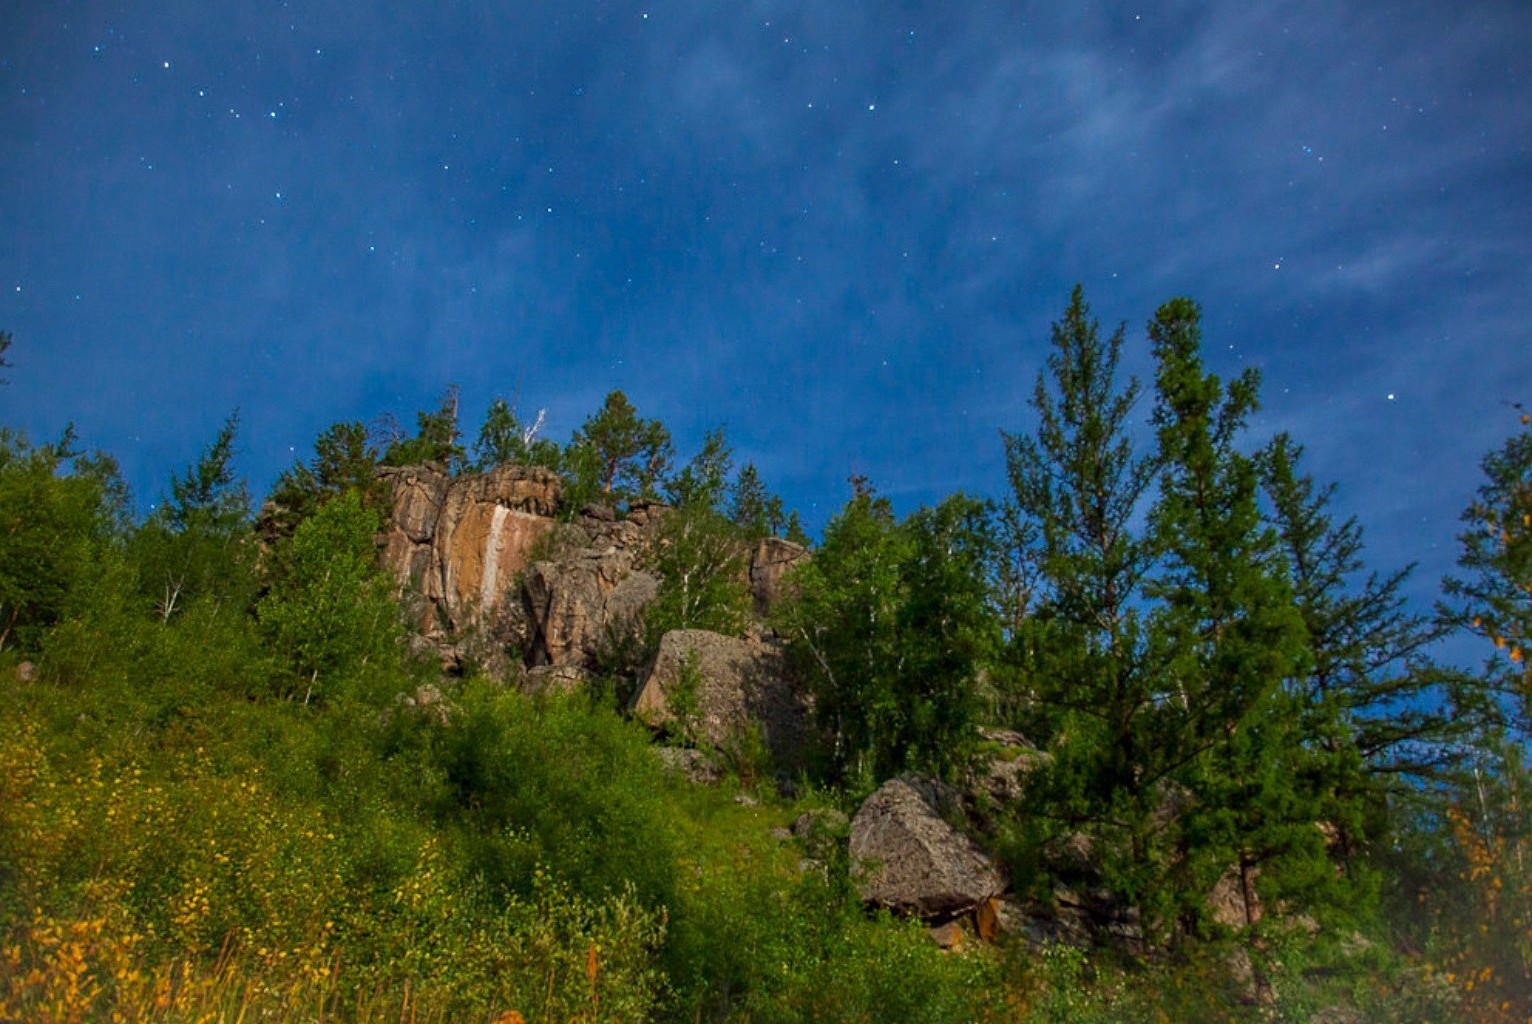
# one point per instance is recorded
(840, 229)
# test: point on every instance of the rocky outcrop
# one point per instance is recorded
(582, 604)
(461, 543)
(770, 562)
(909, 859)
(739, 682)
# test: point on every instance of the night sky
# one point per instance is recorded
(842, 230)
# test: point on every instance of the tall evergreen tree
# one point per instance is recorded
(344, 459)
(755, 510)
(704, 480)
(197, 544)
(618, 454)
(1492, 598)
(1371, 685)
(1086, 687)
(503, 438)
(1226, 637)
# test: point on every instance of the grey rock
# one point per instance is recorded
(909, 859)
(743, 683)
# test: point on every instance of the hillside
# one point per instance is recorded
(573, 732)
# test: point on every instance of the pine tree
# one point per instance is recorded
(208, 494)
(1492, 599)
(618, 454)
(437, 438)
(757, 511)
(503, 438)
(197, 544)
(1073, 589)
(949, 634)
(1226, 637)
(344, 459)
(1372, 693)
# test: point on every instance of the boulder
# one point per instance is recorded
(909, 859)
(554, 679)
(741, 683)
(772, 559)
(581, 604)
(695, 766)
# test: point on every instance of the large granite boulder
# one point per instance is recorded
(910, 860)
(769, 563)
(740, 683)
(582, 604)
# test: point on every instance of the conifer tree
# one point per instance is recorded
(437, 438)
(503, 438)
(1225, 637)
(1076, 487)
(757, 511)
(197, 543)
(344, 459)
(618, 454)
(1373, 698)
(1492, 598)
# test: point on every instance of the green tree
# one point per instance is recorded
(1492, 597)
(436, 439)
(1387, 721)
(5, 346)
(344, 460)
(842, 625)
(1073, 583)
(756, 510)
(618, 454)
(1226, 637)
(949, 634)
(702, 564)
(330, 612)
(703, 481)
(53, 526)
(198, 543)
(209, 494)
(503, 438)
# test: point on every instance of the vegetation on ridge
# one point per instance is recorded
(228, 791)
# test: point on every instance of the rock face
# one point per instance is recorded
(460, 543)
(910, 860)
(772, 558)
(580, 604)
(741, 682)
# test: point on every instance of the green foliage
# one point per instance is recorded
(198, 543)
(558, 784)
(209, 496)
(702, 482)
(502, 439)
(330, 612)
(617, 454)
(344, 460)
(890, 627)
(1226, 635)
(702, 564)
(53, 527)
(758, 512)
(1492, 599)
(437, 438)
